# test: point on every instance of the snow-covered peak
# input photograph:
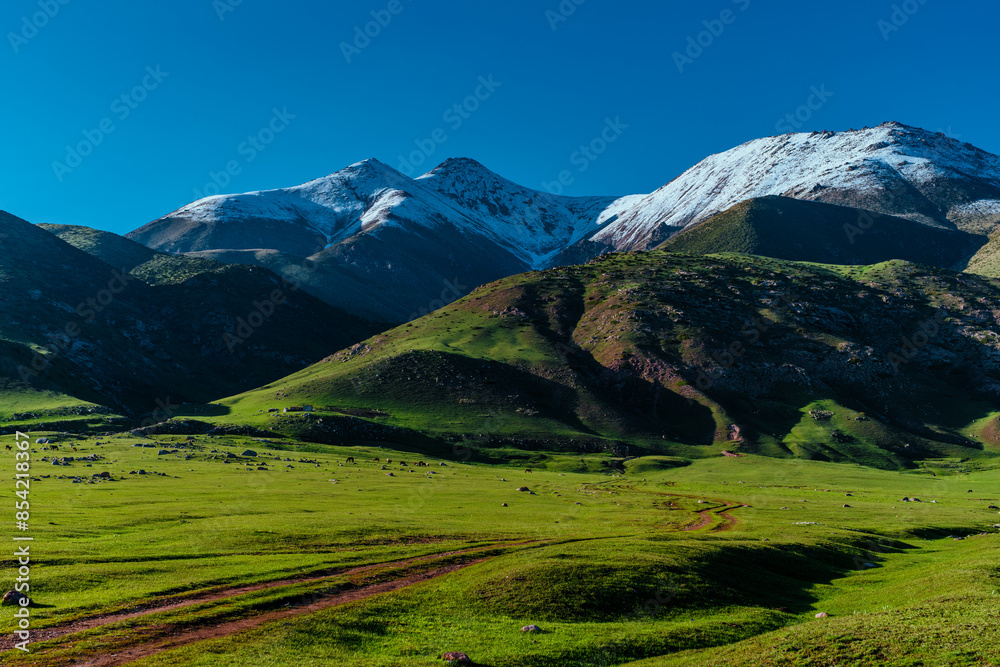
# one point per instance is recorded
(537, 224)
(891, 168)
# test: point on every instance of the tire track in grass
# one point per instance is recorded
(216, 595)
(184, 638)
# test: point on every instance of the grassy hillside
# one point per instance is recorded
(150, 266)
(986, 261)
(74, 326)
(793, 229)
(678, 354)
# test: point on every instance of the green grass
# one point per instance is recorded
(611, 580)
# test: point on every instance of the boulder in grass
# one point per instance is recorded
(251, 453)
(523, 488)
(531, 628)
(456, 658)
(14, 599)
(822, 614)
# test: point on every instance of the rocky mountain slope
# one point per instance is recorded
(880, 365)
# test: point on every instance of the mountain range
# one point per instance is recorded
(387, 247)
(551, 342)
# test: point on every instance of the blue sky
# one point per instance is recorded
(159, 97)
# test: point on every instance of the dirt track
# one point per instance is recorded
(162, 638)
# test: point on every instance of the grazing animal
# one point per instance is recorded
(402, 463)
(54, 447)
(375, 460)
(388, 460)
(527, 470)
(9, 448)
(74, 449)
(350, 459)
(421, 464)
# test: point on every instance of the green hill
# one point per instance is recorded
(883, 365)
(76, 330)
(150, 266)
(809, 231)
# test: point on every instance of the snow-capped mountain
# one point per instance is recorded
(370, 196)
(892, 169)
(536, 225)
(380, 244)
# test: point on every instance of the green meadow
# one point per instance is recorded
(208, 559)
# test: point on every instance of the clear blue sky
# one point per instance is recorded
(559, 82)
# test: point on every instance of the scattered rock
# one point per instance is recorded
(523, 488)
(13, 598)
(822, 614)
(503, 505)
(456, 658)
(531, 628)
(251, 453)
(846, 505)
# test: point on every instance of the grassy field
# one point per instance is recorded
(649, 561)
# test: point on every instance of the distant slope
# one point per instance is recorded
(74, 325)
(148, 265)
(793, 229)
(683, 354)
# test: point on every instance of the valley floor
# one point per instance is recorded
(240, 551)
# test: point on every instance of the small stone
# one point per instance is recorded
(456, 658)
(523, 488)
(13, 598)
(531, 628)
(822, 614)
(503, 505)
